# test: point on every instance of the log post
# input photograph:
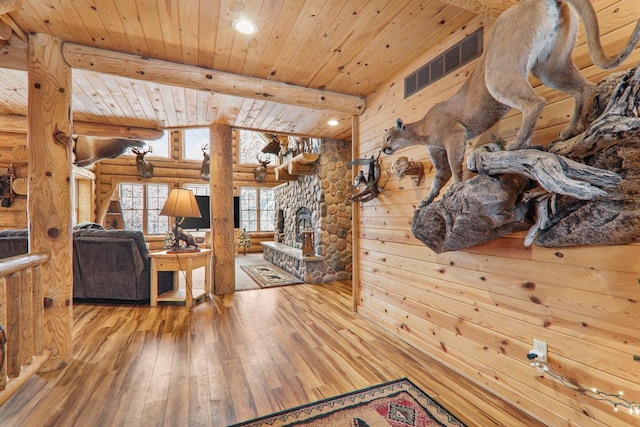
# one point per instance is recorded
(4, 323)
(221, 186)
(38, 308)
(26, 318)
(49, 205)
(13, 325)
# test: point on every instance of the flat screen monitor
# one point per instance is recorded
(204, 223)
(199, 223)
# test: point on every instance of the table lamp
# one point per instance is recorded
(180, 203)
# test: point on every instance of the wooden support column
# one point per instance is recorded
(224, 273)
(49, 206)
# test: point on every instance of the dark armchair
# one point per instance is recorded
(113, 264)
(107, 264)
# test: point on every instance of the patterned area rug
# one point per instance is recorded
(398, 403)
(268, 275)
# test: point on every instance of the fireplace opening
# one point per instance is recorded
(303, 221)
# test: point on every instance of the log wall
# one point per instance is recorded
(13, 151)
(479, 310)
(176, 172)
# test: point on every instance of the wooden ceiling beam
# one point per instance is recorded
(18, 124)
(14, 54)
(109, 130)
(483, 7)
(187, 76)
(7, 6)
(15, 27)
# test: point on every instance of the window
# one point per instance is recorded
(198, 189)
(160, 146)
(257, 209)
(193, 140)
(141, 205)
(250, 147)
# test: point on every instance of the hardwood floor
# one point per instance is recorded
(272, 349)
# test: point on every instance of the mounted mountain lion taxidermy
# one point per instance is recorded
(534, 36)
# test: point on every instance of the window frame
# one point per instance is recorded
(258, 211)
(150, 142)
(183, 144)
(272, 157)
(145, 203)
(198, 188)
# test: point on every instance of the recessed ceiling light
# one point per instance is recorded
(244, 26)
(333, 122)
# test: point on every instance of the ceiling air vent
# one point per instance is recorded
(467, 50)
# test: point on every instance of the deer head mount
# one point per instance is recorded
(90, 149)
(260, 172)
(273, 146)
(206, 162)
(145, 168)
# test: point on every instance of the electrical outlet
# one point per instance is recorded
(540, 349)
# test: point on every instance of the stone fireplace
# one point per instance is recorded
(321, 202)
(302, 221)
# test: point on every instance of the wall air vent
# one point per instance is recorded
(467, 50)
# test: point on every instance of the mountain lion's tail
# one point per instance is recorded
(590, 20)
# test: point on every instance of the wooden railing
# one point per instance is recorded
(22, 350)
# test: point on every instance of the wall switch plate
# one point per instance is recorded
(540, 349)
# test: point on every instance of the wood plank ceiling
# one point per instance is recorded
(348, 47)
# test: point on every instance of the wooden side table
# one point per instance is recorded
(176, 262)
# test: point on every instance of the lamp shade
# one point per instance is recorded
(181, 203)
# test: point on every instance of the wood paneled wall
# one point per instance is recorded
(479, 310)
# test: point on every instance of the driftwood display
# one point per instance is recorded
(583, 191)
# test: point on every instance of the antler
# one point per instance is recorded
(264, 162)
(138, 152)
